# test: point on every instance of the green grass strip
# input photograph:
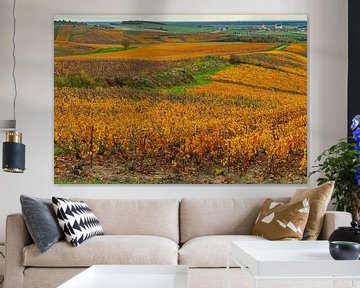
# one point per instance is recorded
(72, 35)
(109, 50)
(119, 181)
(280, 47)
(201, 78)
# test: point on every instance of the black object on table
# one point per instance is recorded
(344, 250)
(350, 234)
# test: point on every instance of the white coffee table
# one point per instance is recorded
(131, 276)
(292, 260)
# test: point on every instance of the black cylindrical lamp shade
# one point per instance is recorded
(13, 157)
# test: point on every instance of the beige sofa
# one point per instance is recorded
(194, 232)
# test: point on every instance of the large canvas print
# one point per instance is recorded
(180, 99)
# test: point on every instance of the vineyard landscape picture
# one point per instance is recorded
(180, 99)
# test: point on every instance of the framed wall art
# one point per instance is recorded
(180, 99)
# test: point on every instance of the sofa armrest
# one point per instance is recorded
(333, 220)
(17, 237)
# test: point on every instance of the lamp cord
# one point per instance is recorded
(14, 61)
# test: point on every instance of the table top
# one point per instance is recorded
(131, 276)
(291, 259)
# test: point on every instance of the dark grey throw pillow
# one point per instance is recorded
(41, 221)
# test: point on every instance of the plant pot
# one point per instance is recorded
(343, 250)
(350, 234)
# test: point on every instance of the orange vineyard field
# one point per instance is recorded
(160, 102)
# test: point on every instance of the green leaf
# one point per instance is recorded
(339, 163)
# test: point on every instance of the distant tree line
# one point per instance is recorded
(138, 22)
(262, 39)
(68, 22)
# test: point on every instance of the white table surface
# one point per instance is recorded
(131, 276)
(281, 259)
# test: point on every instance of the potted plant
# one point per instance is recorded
(341, 163)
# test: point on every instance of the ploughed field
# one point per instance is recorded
(155, 107)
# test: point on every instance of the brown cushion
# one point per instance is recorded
(319, 198)
(279, 221)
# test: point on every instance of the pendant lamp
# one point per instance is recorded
(13, 159)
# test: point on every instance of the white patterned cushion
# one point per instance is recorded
(77, 220)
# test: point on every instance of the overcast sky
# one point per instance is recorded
(114, 18)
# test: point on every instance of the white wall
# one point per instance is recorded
(327, 89)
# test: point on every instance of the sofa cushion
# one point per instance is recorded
(76, 220)
(279, 221)
(41, 221)
(107, 249)
(158, 217)
(201, 217)
(35, 277)
(211, 251)
(319, 198)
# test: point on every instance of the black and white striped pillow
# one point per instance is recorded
(77, 220)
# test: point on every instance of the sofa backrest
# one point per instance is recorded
(200, 217)
(159, 217)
